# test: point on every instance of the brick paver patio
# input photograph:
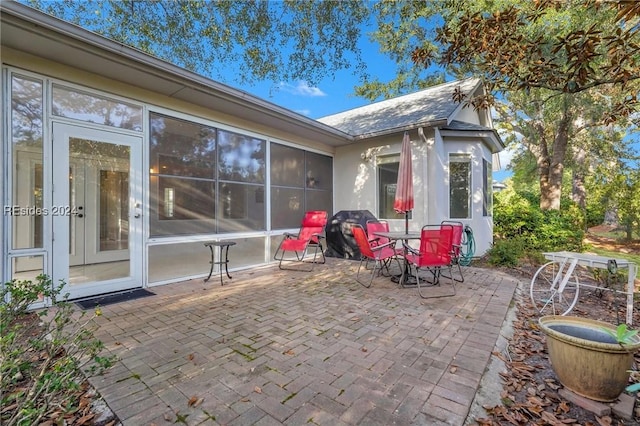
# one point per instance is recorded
(295, 348)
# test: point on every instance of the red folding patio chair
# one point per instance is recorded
(433, 256)
(374, 226)
(308, 238)
(380, 254)
(456, 247)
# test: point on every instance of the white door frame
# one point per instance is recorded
(61, 133)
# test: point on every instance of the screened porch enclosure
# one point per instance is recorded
(201, 181)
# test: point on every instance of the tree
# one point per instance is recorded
(616, 185)
(560, 56)
(561, 133)
(260, 40)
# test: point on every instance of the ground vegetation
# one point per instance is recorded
(530, 388)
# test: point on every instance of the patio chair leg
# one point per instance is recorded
(406, 275)
(437, 274)
(324, 259)
(386, 265)
(460, 272)
(367, 285)
(461, 279)
(315, 255)
(300, 259)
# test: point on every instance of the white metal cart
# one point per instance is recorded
(555, 286)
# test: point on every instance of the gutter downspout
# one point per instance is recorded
(424, 137)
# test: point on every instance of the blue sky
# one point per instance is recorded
(331, 95)
(335, 93)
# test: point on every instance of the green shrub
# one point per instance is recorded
(517, 217)
(595, 214)
(44, 353)
(505, 253)
(514, 215)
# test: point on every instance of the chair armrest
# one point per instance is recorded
(381, 246)
(289, 235)
(410, 249)
(374, 241)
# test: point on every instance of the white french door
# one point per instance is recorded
(96, 210)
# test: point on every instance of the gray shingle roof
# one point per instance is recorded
(434, 104)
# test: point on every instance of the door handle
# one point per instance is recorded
(137, 215)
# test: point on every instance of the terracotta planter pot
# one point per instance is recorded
(586, 359)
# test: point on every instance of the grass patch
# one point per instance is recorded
(251, 349)
(246, 356)
(635, 258)
(616, 234)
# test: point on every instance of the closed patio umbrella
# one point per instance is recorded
(403, 202)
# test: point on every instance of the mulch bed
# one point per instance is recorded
(530, 391)
(530, 387)
(85, 410)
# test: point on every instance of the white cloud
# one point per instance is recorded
(301, 88)
(506, 156)
(303, 111)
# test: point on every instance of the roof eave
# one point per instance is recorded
(396, 130)
(489, 137)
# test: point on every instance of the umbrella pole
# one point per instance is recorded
(406, 222)
(406, 242)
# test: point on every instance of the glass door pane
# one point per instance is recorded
(100, 223)
(114, 210)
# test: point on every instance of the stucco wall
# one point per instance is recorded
(481, 225)
(356, 180)
(467, 114)
(354, 176)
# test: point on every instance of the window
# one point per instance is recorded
(487, 188)
(387, 182)
(72, 103)
(204, 180)
(459, 186)
(318, 182)
(26, 150)
(241, 175)
(182, 158)
(300, 181)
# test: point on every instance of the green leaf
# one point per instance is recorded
(633, 388)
